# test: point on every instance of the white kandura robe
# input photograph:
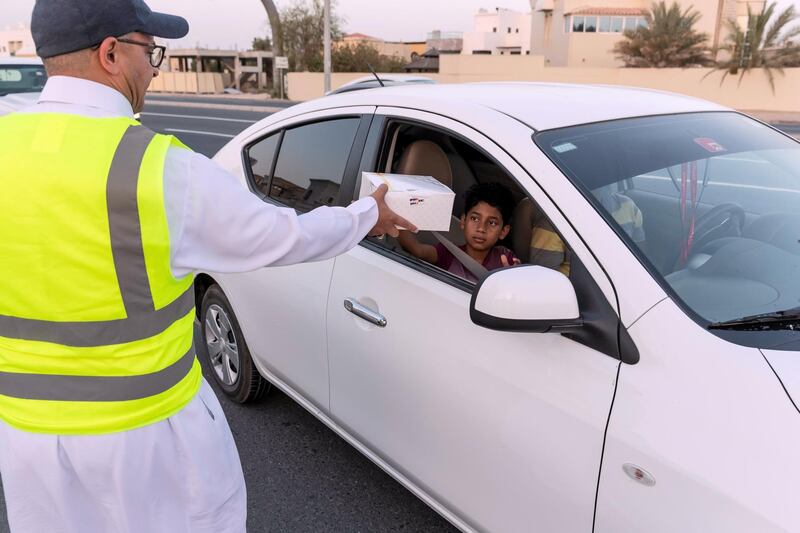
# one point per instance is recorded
(183, 474)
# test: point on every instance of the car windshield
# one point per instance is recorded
(710, 202)
(21, 79)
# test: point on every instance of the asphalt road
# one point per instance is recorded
(203, 130)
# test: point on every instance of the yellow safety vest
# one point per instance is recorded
(95, 332)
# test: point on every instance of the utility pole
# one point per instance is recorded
(327, 46)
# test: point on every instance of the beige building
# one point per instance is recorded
(402, 50)
(17, 41)
(582, 33)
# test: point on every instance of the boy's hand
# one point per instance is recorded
(504, 260)
(388, 220)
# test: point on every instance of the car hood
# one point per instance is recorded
(786, 364)
(14, 102)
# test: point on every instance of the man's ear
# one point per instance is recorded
(463, 221)
(108, 55)
(504, 231)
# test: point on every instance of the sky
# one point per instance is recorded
(227, 23)
(234, 23)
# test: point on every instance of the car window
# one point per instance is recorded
(311, 163)
(412, 148)
(260, 158)
(21, 79)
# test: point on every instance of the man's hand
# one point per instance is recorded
(388, 220)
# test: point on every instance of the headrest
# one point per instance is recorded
(426, 158)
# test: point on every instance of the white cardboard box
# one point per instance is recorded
(422, 200)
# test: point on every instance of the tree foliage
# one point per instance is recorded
(668, 40)
(303, 26)
(360, 57)
(264, 45)
(766, 43)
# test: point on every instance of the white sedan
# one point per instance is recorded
(654, 389)
(21, 83)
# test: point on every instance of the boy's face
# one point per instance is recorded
(483, 227)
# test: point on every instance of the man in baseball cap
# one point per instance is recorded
(106, 422)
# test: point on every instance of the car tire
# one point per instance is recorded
(226, 352)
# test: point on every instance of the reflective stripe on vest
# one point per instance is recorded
(126, 245)
(119, 398)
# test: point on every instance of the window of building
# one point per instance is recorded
(509, 29)
(517, 31)
(602, 24)
(494, 30)
(481, 52)
(311, 163)
(515, 52)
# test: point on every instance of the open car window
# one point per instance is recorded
(417, 149)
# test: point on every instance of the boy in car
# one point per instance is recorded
(487, 212)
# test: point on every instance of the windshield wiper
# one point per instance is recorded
(786, 319)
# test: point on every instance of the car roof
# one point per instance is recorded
(541, 106)
(20, 61)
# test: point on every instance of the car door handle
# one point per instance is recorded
(366, 313)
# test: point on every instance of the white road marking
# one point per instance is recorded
(173, 130)
(198, 117)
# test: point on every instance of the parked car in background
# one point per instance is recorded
(386, 80)
(653, 388)
(21, 82)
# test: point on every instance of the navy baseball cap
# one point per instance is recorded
(64, 26)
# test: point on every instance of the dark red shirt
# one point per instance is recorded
(447, 261)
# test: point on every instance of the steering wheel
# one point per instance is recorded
(724, 220)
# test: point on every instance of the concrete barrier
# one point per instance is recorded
(753, 92)
(188, 82)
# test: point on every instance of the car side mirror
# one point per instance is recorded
(526, 298)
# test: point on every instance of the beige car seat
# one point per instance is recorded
(426, 158)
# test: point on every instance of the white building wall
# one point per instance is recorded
(17, 41)
(502, 31)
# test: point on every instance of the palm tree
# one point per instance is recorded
(766, 43)
(274, 17)
(668, 40)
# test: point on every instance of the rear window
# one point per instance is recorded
(21, 79)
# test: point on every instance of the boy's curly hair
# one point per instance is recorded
(494, 194)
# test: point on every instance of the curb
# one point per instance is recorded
(201, 105)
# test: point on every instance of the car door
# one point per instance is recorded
(281, 310)
(505, 430)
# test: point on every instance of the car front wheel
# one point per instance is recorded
(226, 351)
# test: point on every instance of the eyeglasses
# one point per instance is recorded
(156, 51)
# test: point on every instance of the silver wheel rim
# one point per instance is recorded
(223, 350)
